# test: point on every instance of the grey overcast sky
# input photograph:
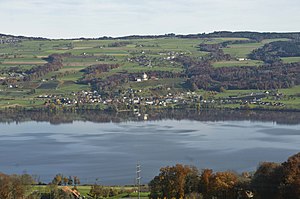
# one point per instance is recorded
(96, 18)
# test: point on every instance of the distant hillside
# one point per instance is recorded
(257, 36)
(13, 39)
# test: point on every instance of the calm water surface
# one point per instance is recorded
(110, 151)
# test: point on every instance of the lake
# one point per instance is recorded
(109, 151)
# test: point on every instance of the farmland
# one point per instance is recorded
(26, 81)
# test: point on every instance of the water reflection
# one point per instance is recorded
(110, 150)
(277, 117)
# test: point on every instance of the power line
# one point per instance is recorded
(138, 179)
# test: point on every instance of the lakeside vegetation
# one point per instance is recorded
(270, 180)
(182, 71)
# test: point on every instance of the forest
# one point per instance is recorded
(269, 76)
(272, 52)
(256, 36)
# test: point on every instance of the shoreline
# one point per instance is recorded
(106, 116)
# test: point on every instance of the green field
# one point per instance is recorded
(241, 50)
(49, 85)
(290, 59)
(237, 63)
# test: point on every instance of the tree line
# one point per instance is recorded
(255, 36)
(272, 52)
(54, 64)
(269, 76)
(92, 72)
(270, 181)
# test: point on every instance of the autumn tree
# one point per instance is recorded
(192, 181)
(58, 179)
(65, 180)
(223, 184)
(76, 181)
(266, 180)
(70, 181)
(205, 183)
(270, 181)
(156, 190)
(14, 186)
(5, 185)
(17, 188)
(56, 193)
(99, 191)
(170, 183)
(290, 185)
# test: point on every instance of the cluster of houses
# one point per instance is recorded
(82, 97)
(12, 75)
(256, 99)
(134, 98)
(129, 98)
(12, 78)
(141, 60)
(277, 104)
(152, 101)
(144, 60)
(9, 40)
(171, 55)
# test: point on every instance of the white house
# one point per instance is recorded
(145, 77)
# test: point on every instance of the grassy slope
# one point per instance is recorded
(290, 59)
(237, 63)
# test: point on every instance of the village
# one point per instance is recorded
(132, 99)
